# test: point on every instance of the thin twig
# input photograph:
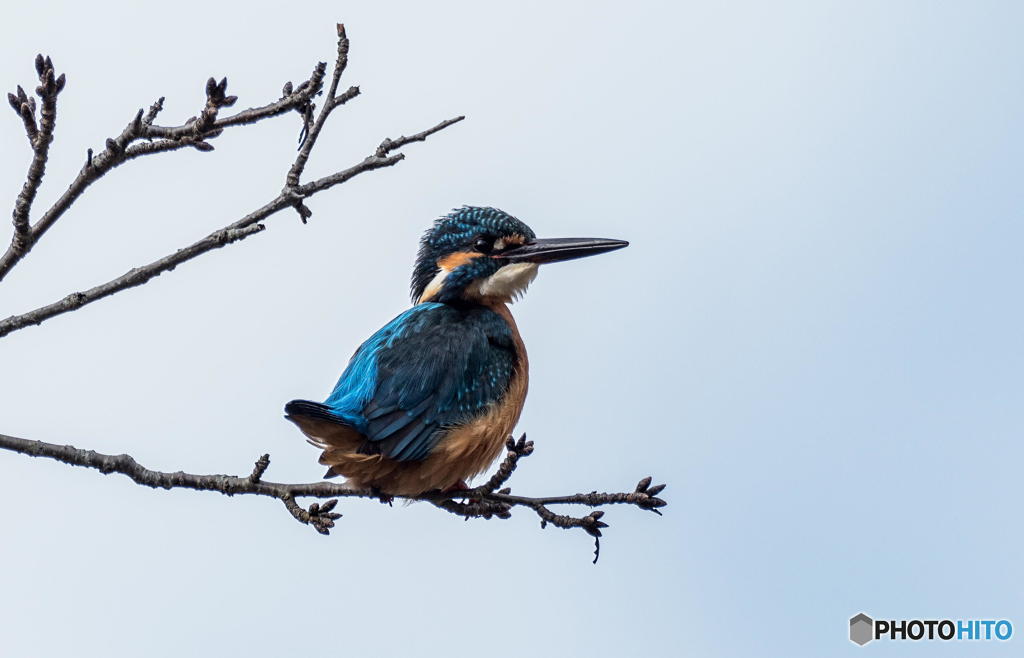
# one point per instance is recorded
(237, 230)
(479, 503)
(195, 134)
(516, 449)
(40, 139)
(133, 277)
(261, 466)
(313, 133)
(389, 145)
(375, 161)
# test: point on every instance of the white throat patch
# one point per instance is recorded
(507, 284)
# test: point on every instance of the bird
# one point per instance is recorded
(429, 400)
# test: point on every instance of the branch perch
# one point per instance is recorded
(479, 502)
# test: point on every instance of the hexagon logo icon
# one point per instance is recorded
(862, 629)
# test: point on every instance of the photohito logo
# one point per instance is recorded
(863, 629)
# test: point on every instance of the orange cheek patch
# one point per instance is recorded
(459, 258)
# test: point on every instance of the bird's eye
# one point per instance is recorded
(484, 245)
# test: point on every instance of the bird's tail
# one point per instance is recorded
(309, 409)
(325, 430)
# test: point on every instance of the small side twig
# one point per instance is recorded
(262, 464)
(313, 132)
(40, 136)
(516, 450)
(154, 109)
(389, 145)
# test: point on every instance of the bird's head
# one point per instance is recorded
(486, 255)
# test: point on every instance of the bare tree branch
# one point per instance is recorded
(237, 230)
(480, 502)
(141, 137)
(193, 133)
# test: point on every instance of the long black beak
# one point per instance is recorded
(556, 249)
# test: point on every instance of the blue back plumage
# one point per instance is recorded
(433, 367)
(358, 383)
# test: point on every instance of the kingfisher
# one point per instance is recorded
(428, 401)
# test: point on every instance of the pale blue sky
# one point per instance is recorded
(815, 337)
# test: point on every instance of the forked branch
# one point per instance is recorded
(141, 136)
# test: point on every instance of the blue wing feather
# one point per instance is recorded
(434, 367)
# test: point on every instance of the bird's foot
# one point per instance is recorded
(461, 485)
(458, 486)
